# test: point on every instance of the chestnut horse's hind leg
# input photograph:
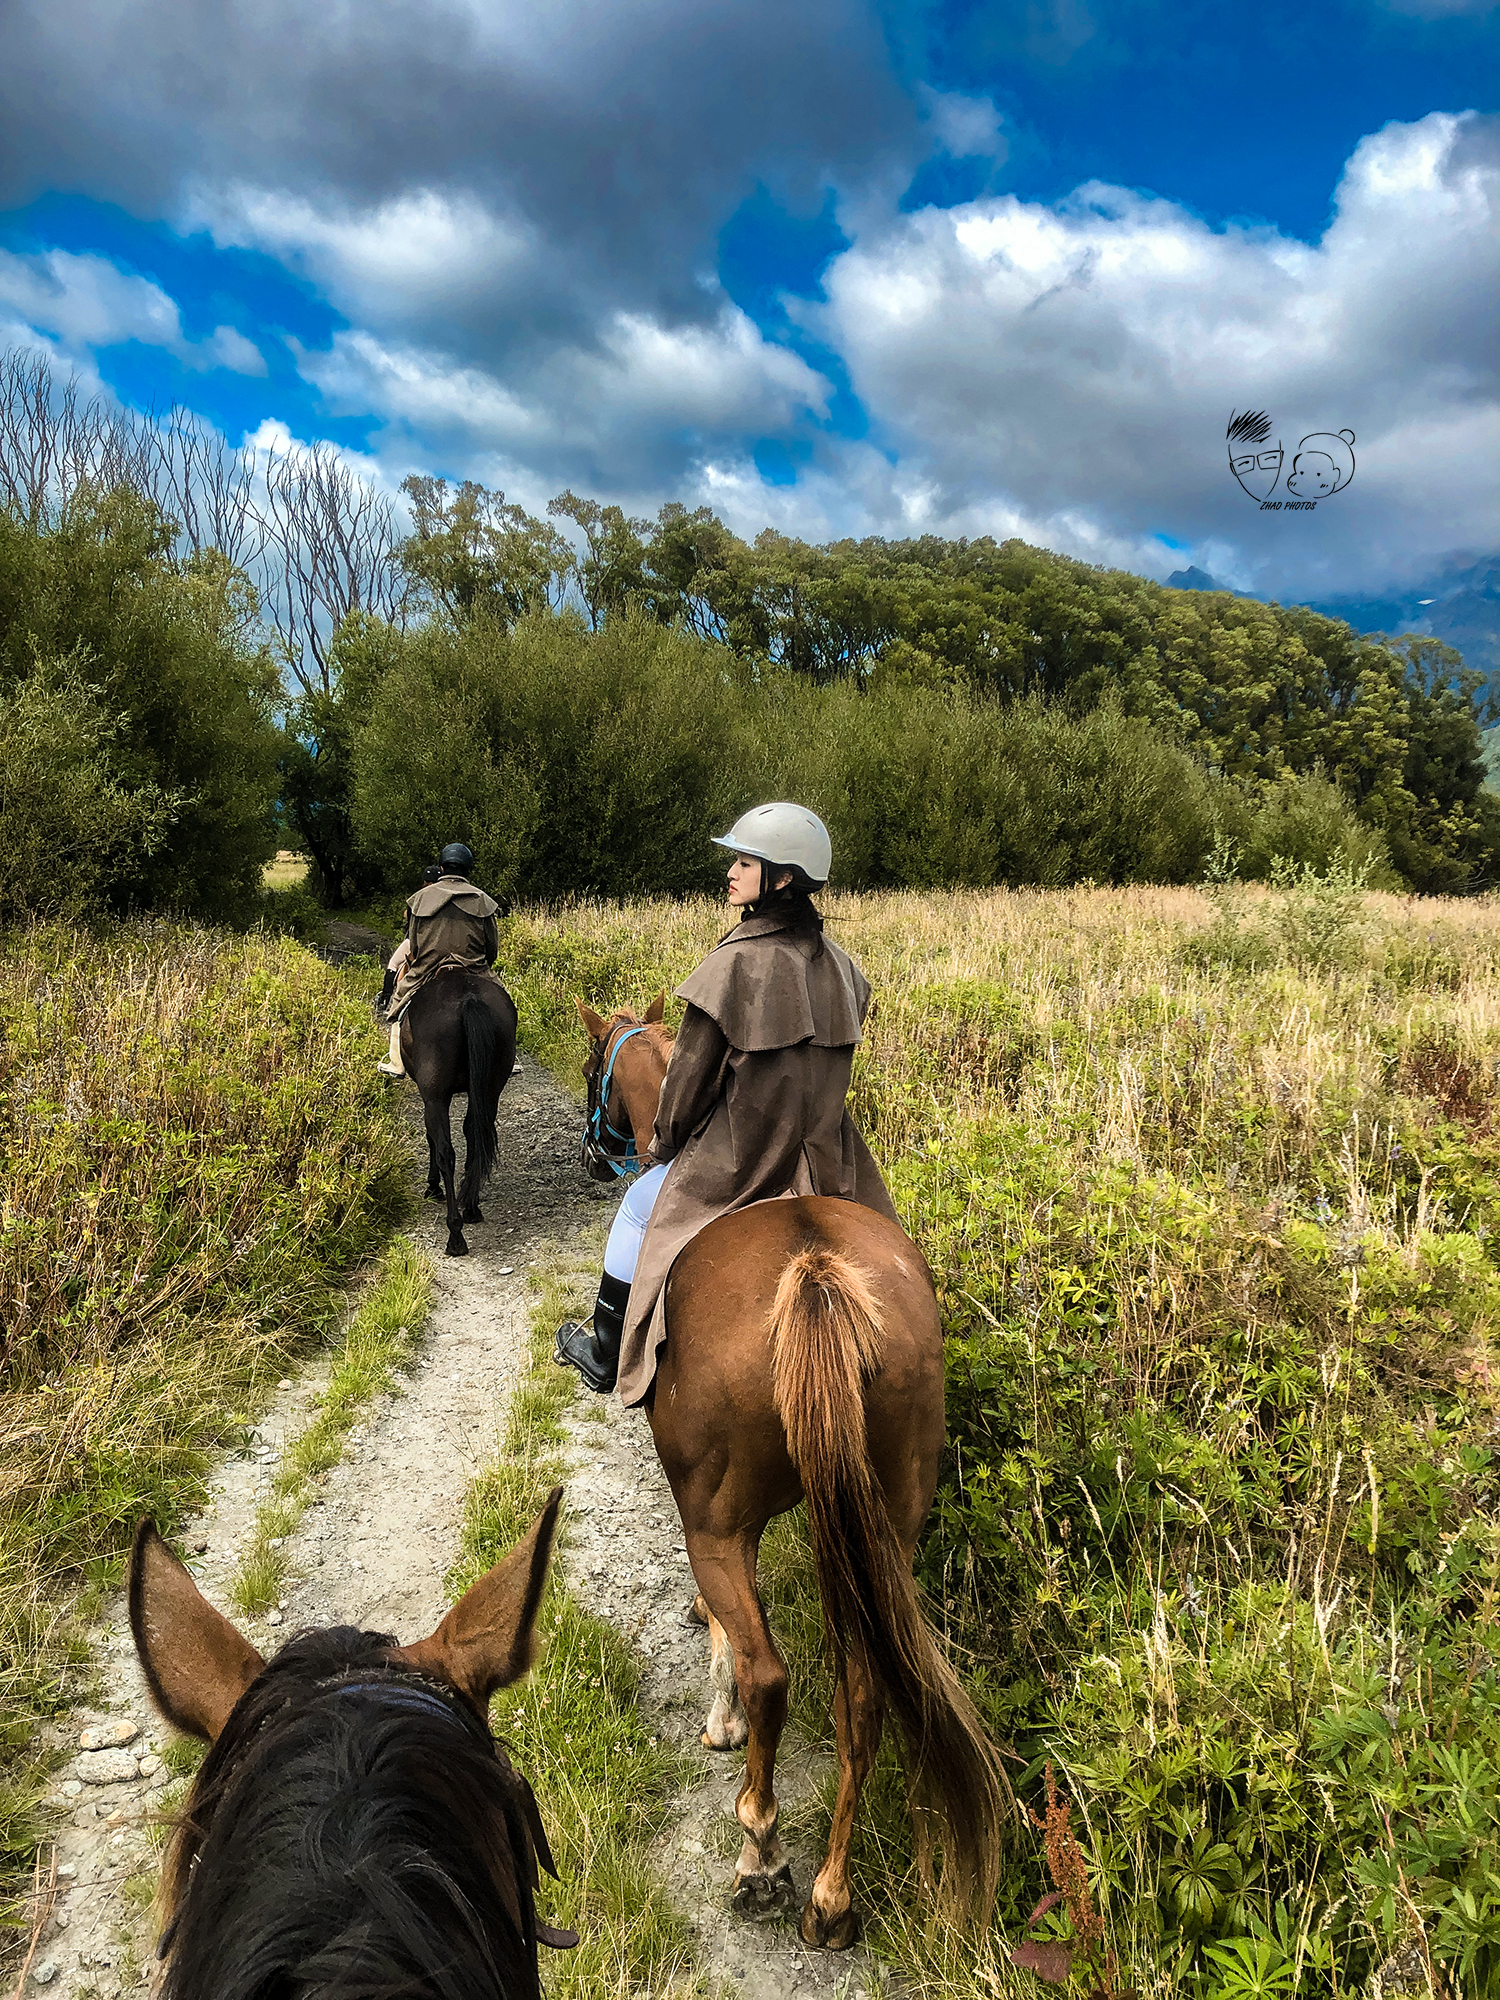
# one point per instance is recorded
(726, 1575)
(727, 1725)
(440, 1149)
(858, 1716)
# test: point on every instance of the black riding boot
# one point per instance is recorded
(594, 1350)
(387, 990)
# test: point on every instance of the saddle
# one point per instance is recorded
(408, 987)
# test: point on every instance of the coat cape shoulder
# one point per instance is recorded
(435, 896)
(772, 989)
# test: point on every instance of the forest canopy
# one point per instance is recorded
(205, 652)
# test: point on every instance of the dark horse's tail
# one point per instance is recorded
(827, 1343)
(481, 1147)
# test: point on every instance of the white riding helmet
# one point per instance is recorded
(787, 836)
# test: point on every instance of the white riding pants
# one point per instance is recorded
(629, 1225)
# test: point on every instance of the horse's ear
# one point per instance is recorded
(488, 1639)
(196, 1664)
(594, 1026)
(657, 1008)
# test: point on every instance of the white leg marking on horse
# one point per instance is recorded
(728, 1726)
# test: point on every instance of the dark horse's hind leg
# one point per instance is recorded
(472, 1212)
(440, 1149)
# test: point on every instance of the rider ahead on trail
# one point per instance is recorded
(753, 1102)
(449, 923)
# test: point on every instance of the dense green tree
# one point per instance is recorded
(316, 762)
(572, 763)
(173, 695)
(609, 573)
(577, 763)
(70, 832)
(1253, 690)
(477, 555)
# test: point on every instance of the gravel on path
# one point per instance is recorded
(372, 1549)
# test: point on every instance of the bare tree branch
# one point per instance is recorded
(331, 548)
(316, 540)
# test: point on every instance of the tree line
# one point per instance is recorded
(206, 653)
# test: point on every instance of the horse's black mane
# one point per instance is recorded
(364, 1841)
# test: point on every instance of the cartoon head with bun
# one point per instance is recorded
(1324, 464)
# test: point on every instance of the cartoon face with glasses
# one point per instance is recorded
(1253, 459)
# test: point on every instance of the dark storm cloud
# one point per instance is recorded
(607, 143)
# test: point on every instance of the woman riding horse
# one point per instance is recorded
(449, 922)
(787, 1350)
(753, 1102)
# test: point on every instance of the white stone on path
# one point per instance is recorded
(108, 1735)
(106, 1767)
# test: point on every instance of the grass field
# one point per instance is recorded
(285, 871)
(196, 1152)
(1210, 1186)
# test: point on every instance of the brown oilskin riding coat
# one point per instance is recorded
(752, 1105)
(449, 922)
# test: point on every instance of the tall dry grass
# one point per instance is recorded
(195, 1151)
(1209, 1181)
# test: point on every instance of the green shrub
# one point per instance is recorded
(294, 911)
(570, 763)
(578, 763)
(1306, 821)
(71, 834)
(163, 704)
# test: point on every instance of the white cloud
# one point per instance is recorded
(965, 127)
(422, 252)
(86, 302)
(81, 303)
(645, 398)
(227, 347)
(1079, 361)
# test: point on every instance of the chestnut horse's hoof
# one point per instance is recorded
(457, 1247)
(829, 1933)
(759, 1895)
(697, 1612)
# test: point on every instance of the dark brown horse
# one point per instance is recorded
(804, 1359)
(354, 1829)
(459, 1033)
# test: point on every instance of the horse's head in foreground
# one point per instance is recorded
(354, 1829)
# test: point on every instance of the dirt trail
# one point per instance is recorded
(627, 1562)
(374, 1548)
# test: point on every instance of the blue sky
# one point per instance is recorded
(826, 265)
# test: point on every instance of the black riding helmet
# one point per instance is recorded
(456, 859)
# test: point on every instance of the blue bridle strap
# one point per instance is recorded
(600, 1126)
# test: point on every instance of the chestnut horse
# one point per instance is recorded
(804, 1359)
(354, 1828)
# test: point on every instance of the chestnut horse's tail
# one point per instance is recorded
(827, 1343)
